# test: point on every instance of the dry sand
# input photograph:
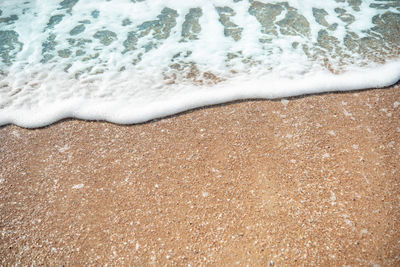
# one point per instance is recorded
(313, 180)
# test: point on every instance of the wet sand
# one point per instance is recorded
(312, 180)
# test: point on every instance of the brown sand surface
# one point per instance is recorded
(310, 181)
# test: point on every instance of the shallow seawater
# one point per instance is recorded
(128, 61)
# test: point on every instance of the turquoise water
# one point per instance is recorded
(130, 61)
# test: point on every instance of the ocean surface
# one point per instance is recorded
(130, 61)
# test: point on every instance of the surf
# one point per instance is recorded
(132, 61)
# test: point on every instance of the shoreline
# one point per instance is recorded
(301, 180)
(295, 97)
(131, 113)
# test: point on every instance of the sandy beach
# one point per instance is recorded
(310, 180)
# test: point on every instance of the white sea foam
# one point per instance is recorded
(54, 71)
